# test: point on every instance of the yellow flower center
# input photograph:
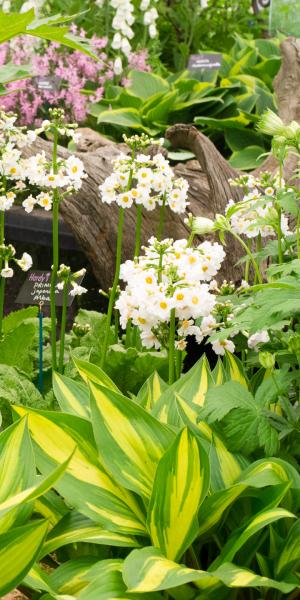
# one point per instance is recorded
(141, 320)
(149, 279)
(13, 170)
(192, 260)
(179, 296)
(204, 268)
(74, 169)
(195, 300)
(163, 305)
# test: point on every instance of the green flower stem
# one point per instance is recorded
(63, 327)
(117, 324)
(114, 287)
(178, 363)
(249, 253)
(161, 218)
(128, 334)
(258, 248)
(2, 292)
(138, 228)
(279, 213)
(190, 239)
(55, 255)
(298, 235)
(172, 348)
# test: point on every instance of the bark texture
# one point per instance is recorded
(95, 224)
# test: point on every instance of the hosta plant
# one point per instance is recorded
(161, 490)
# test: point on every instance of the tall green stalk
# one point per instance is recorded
(161, 224)
(2, 280)
(138, 228)
(172, 348)
(55, 255)
(63, 327)
(249, 253)
(279, 213)
(114, 287)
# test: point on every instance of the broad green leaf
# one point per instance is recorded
(36, 579)
(109, 584)
(235, 369)
(148, 570)
(151, 391)
(181, 483)
(71, 577)
(122, 117)
(51, 507)
(74, 527)
(90, 372)
(144, 85)
(247, 159)
(180, 155)
(130, 441)
(18, 551)
(239, 122)
(215, 505)
(72, 396)
(86, 484)
(17, 468)
(15, 318)
(160, 113)
(289, 558)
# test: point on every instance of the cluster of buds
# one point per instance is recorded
(57, 121)
(80, 330)
(68, 279)
(7, 255)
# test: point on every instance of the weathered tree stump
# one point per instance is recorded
(94, 224)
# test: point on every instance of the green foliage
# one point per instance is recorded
(224, 107)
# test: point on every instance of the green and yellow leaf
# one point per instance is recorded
(72, 396)
(181, 483)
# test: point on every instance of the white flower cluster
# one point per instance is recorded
(170, 276)
(255, 215)
(150, 16)
(122, 25)
(69, 176)
(7, 254)
(65, 276)
(152, 183)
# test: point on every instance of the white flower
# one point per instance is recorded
(260, 337)
(7, 272)
(29, 204)
(60, 285)
(152, 30)
(181, 345)
(201, 225)
(220, 346)
(124, 200)
(45, 200)
(25, 262)
(118, 67)
(77, 290)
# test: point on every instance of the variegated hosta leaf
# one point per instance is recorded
(93, 373)
(72, 576)
(289, 558)
(72, 396)
(219, 373)
(181, 483)
(225, 466)
(75, 527)
(17, 468)
(106, 582)
(192, 387)
(148, 570)
(18, 500)
(86, 484)
(234, 368)
(36, 579)
(130, 441)
(51, 507)
(151, 391)
(19, 548)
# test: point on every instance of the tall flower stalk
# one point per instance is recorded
(55, 239)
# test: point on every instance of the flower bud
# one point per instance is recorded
(267, 360)
(202, 225)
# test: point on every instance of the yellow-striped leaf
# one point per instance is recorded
(37, 580)
(17, 469)
(148, 570)
(72, 576)
(72, 396)
(192, 387)
(181, 483)
(86, 484)
(225, 466)
(289, 558)
(235, 370)
(219, 374)
(75, 527)
(19, 548)
(130, 441)
(90, 372)
(151, 391)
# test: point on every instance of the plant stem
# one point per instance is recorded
(2, 281)
(190, 239)
(63, 327)
(139, 215)
(278, 208)
(249, 253)
(114, 287)
(172, 348)
(117, 319)
(55, 255)
(161, 218)
(178, 363)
